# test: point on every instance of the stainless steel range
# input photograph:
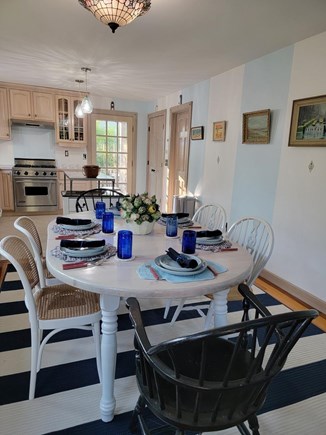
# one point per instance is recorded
(35, 185)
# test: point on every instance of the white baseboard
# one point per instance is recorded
(295, 291)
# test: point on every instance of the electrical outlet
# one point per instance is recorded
(66, 153)
(84, 156)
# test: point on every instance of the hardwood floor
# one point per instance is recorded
(288, 300)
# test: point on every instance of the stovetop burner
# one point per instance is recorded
(34, 163)
(34, 168)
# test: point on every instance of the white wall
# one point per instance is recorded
(300, 205)
(271, 181)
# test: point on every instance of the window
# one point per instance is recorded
(112, 148)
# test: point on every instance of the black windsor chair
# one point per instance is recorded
(215, 379)
(99, 194)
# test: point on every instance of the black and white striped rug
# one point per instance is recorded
(68, 390)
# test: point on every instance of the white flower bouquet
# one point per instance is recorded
(140, 208)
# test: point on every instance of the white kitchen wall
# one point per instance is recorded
(32, 142)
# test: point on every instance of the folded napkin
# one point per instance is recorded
(145, 273)
(215, 233)
(179, 215)
(74, 222)
(78, 244)
(182, 259)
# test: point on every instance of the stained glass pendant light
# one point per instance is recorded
(116, 13)
(86, 104)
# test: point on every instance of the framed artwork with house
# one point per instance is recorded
(308, 122)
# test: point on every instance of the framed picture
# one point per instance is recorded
(308, 122)
(197, 133)
(219, 131)
(256, 127)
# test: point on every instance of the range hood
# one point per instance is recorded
(34, 124)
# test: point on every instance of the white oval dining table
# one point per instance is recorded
(116, 280)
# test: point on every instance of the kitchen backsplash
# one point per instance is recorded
(39, 142)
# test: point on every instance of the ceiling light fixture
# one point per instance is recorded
(86, 104)
(116, 13)
(78, 111)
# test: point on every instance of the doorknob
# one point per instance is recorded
(153, 170)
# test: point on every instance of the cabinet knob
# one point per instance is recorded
(35, 116)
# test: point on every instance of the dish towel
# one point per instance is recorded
(145, 273)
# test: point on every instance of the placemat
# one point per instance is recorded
(56, 252)
(145, 273)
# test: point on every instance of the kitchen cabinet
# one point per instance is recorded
(4, 115)
(30, 105)
(6, 190)
(70, 130)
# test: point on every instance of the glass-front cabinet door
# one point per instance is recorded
(78, 123)
(70, 130)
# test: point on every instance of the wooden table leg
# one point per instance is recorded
(109, 307)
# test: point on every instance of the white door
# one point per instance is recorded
(113, 147)
(179, 151)
(155, 153)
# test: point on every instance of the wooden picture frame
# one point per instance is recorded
(256, 127)
(197, 133)
(308, 122)
(219, 128)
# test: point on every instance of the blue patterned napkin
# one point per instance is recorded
(145, 273)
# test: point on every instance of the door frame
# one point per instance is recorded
(91, 147)
(174, 111)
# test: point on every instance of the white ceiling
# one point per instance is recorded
(176, 44)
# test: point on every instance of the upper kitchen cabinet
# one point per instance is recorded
(4, 115)
(30, 105)
(70, 130)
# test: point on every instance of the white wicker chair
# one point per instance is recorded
(256, 235)
(26, 226)
(55, 307)
(211, 217)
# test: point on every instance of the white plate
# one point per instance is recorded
(209, 241)
(84, 252)
(182, 271)
(79, 227)
(167, 263)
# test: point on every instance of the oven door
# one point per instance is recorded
(32, 194)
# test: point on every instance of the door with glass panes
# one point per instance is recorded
(112, 148)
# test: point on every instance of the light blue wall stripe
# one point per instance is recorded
(265, 86)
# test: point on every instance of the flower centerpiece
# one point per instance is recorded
(140, 212)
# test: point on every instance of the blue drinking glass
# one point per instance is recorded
(99, 209)
(108, 222)
(124, 250)
(171, 226)
(189, 242)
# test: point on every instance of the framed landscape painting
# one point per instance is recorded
(197, 133)
(219, 131)
(256, 127)
(308, 122)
